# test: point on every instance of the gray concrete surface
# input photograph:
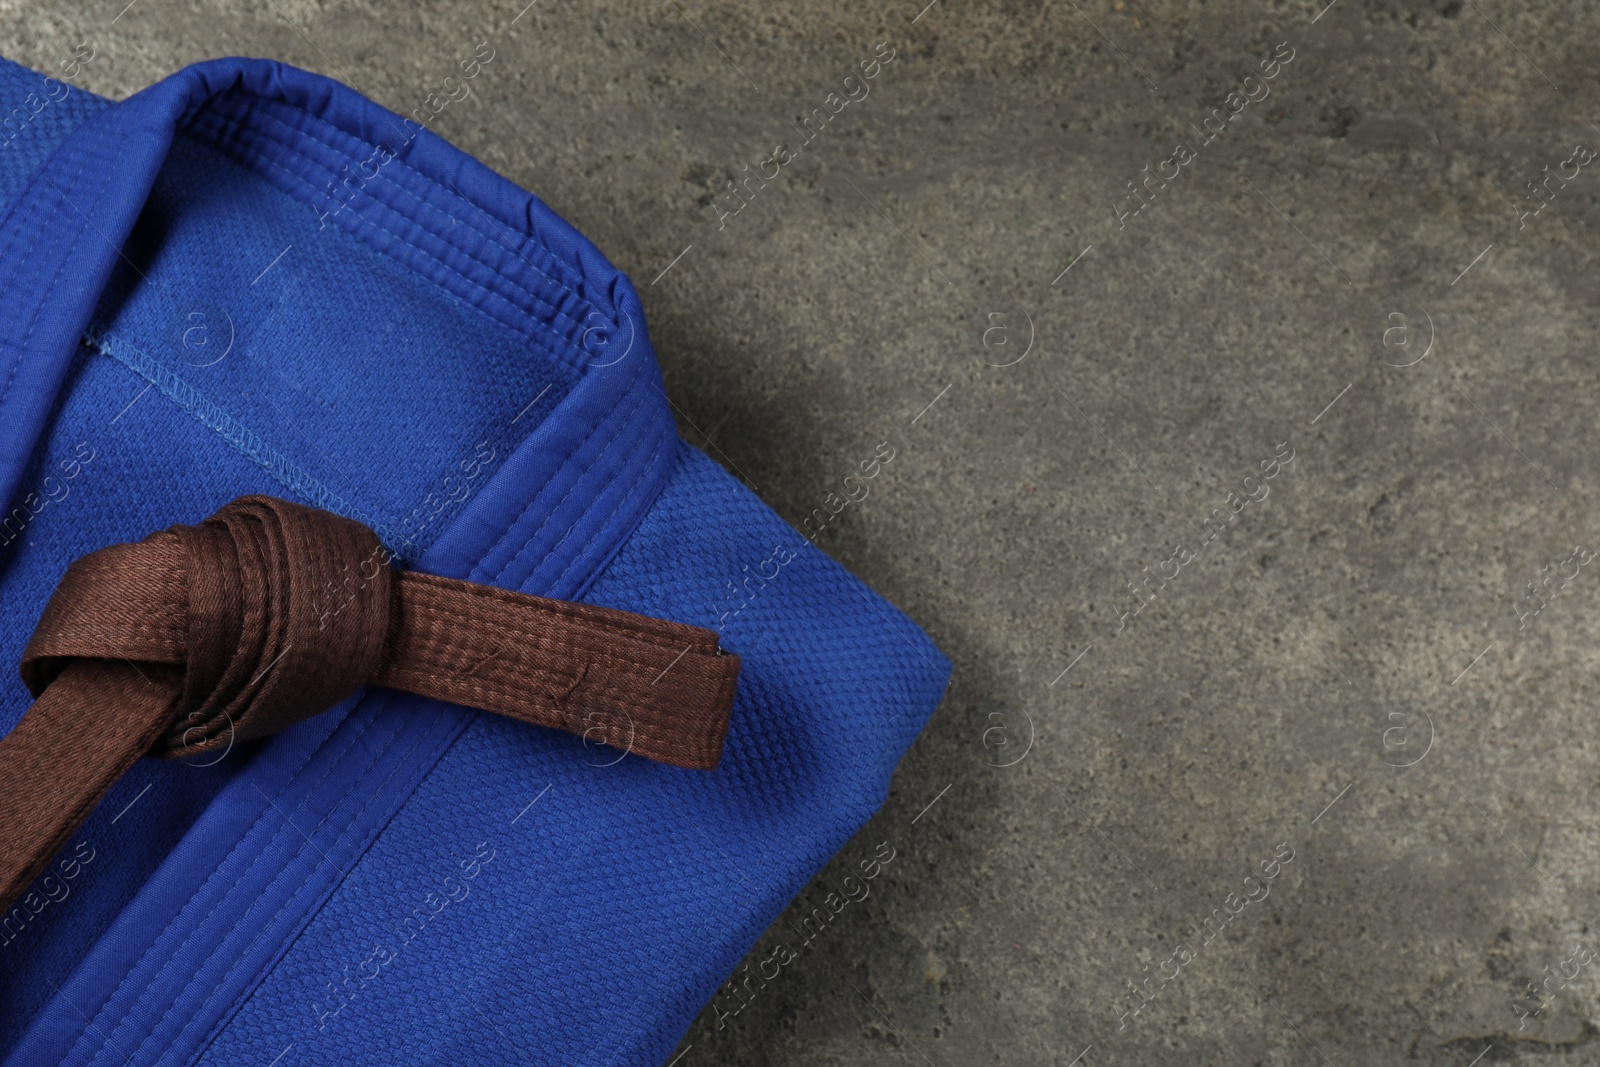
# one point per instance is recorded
(1341, 675)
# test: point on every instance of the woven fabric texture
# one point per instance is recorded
(436, 354)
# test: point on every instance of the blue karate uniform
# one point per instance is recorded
(251, 279)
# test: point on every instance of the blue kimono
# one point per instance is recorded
(250, 279)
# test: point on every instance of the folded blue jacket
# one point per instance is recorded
(250, 279)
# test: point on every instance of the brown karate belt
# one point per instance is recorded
(269, 613)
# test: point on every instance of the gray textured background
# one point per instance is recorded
(1360, 618)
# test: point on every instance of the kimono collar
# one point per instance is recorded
(62, 235)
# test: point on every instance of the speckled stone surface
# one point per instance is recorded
(1235, 769)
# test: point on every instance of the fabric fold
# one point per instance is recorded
(448, 362)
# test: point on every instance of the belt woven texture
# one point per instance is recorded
(271, 612)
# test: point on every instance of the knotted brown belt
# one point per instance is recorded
(269, 613)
